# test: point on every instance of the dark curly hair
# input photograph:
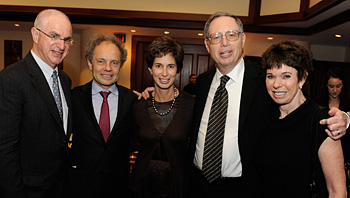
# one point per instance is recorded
(288, 53)
(162, 46)
(97, 39)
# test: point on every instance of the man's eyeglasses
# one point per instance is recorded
(217, 37)
(57, 38)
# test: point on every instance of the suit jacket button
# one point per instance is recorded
(64, 140)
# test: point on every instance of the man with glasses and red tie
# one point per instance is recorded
(231, 112)
(102, 122)
(35, 114)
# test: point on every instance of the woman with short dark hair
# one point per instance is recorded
(295, 149)
(163, 123)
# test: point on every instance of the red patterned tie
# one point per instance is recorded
(104, 116)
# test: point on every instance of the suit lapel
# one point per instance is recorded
(66, 87)
(250, 81)
(40, 84)
(121, 109)
(203, 88)
(86, 101)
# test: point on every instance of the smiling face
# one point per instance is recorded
(283, 85)
(49, 51)
(164, 71)
(334, 86)
(105, 65)
(226, 54)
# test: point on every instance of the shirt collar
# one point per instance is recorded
(45, 68)
(236, 74)
(97, 89)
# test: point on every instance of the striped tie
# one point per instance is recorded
(56, 93)
(212, 157)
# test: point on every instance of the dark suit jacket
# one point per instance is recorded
(254, 109)
(99, 168)
(33, 144)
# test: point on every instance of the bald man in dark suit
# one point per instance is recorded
(34, 127)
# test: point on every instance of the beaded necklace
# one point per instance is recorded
(171, 107)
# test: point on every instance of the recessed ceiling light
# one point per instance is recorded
(132, 30)
(16, 25)
(166, 32)
(270, 38)
(200, 34)
(338, 35)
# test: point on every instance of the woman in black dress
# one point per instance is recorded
(163, 123)
(290, 151)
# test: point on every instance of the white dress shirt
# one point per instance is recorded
(231, 160)
(48, 71)
(112, 99)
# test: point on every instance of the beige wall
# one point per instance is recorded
(330, 53)
(238, 7)
(347, 54)
(71, 64)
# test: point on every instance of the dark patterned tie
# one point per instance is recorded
(212, 156)
(56, 93)
(104, 116)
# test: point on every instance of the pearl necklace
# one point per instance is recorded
(171, 107)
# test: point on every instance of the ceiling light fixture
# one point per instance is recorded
(132, 30)
(338, 35)
(17, 25)
(200, 34)
(166, 32)
(270, 38)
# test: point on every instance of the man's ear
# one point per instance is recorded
(35, 34)
(207, 45)
(89, 64)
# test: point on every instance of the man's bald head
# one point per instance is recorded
(45, 15)
(49, 25)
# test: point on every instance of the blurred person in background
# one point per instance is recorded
(191, 87)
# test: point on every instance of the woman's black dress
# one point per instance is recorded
(285, 154)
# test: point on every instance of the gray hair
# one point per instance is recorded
(220, 14)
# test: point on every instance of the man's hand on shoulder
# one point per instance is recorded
(336, 123)
(145, 94)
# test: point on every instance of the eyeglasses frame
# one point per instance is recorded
(222, 35)
(67, 40)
